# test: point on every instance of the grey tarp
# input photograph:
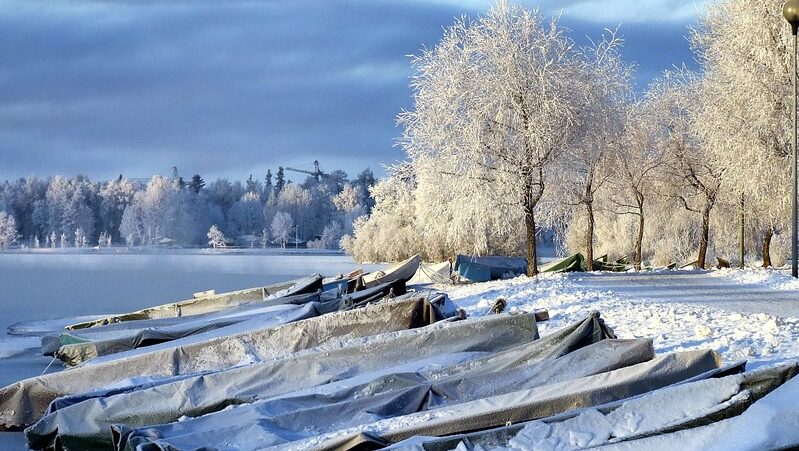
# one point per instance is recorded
(768, 423)
(292, 417)
(527, 404)
(708, 397)
(182, 326)
(104, 340)
(214, 302)
(23, 402)
(89, 420)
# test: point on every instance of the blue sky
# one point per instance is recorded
(226, 89)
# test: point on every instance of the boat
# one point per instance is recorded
(483, 269)
(403, 271)
(210, 301)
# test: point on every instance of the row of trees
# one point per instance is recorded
(516, 127)
(61, 212)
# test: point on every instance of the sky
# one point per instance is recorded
(233, 88)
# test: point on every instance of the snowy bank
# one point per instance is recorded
(759, 338)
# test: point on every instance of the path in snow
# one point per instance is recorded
(751, 291)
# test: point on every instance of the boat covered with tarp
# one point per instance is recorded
(209, 301)
(578, 263)
(256, 340)
(483, 269)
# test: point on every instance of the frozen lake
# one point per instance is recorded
(46, 285)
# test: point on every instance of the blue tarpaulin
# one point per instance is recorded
(482, 269)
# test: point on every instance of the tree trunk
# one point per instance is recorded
(589, 239)
(639, 240)
(703, 239)
(741, 250)
(767, 247)
(529, 222)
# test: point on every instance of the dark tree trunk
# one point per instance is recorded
(529, 222)
(767, 247)
(703, 239)
(741, 250)
(589, 239)
(639, 240)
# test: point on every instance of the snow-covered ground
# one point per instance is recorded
(748, 315)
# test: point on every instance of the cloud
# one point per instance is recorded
(225, 88)
(628, 11)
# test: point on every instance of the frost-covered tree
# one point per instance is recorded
(216, 239)
(695, 178)
(744, 49)
(634, 166)
(131, 229)
(605, 83)
(245, 217)
(52, 238)
(281, 227)
(8, 230)
(298, 203)
(390, 233)
(80, 237)
(264, 238)
(494, 105)
(115, 196)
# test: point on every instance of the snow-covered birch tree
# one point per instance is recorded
(494, 105)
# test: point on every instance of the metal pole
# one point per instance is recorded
(794, 268)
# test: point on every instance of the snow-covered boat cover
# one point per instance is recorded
(76, 347)
(649, 421)
(24, 402)
(85, 420)
(214, 302)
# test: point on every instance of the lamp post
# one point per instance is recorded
(791, 13)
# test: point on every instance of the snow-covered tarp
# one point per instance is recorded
(75, 347)
(289, 418)
(205, 303)
(23, 403)
(82, 420)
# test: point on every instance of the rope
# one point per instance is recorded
(48, 366)
(434, 275)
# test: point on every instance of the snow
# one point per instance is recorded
(770, 423)
(770, 279)
(750, 314)
(759, 338)
(10, 347)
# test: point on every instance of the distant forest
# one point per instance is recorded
(77, 212)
